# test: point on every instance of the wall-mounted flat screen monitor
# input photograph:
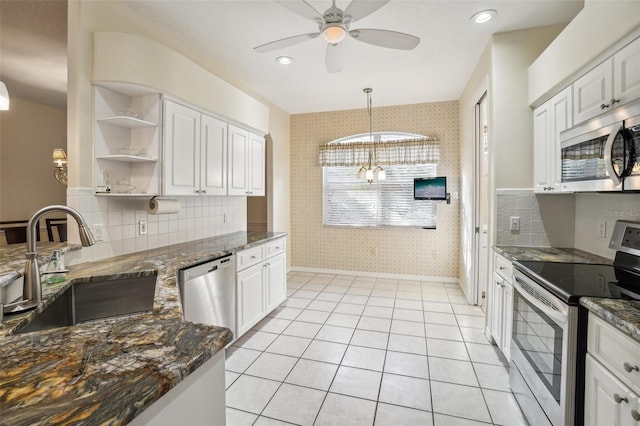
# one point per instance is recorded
(431, 188)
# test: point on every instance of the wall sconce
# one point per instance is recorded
(60, 160)
(4, 97)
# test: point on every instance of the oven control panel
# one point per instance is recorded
(626, 237)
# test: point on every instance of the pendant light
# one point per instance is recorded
(370, 170)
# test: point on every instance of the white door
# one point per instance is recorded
(497, 310)
(213, 156)
(478, 289)
(238, 183)
(181, 167)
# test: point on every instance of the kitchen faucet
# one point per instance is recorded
(32, 290)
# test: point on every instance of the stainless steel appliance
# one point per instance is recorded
(208, 292)
(548, 344)
(603, 154)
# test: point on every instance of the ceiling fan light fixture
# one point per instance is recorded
(484, 16)
(334, 33)
(284, 60)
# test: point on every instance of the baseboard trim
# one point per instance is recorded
(376, 274)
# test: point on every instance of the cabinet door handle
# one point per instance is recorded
(635, 415)
(197, 191)
(614, 101)
(502, 268)
(618, 399)
(253, 257)
(204, 191)
(629, 368)
(604, 106)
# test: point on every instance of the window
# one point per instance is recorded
(350, 201)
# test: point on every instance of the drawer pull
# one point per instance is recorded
(253, 257)
(635, 415)
(501, 268)
(618, 399)
(629, 368)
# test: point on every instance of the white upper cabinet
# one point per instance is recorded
(613, 83)
(195, 144)
(549, 120)
(126, 140)
(592, 93)
(626, 77)
(256, 165)
(213, 156)
(246, 163)
(181, 150)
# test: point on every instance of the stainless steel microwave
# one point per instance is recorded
(604, 154)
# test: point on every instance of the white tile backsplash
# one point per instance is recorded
(199, 217)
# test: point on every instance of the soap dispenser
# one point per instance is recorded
(55, 268)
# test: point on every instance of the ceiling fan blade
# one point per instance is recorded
(302, 8)
(386, 38)
(334, 58)
(285, 42)
(359, 9)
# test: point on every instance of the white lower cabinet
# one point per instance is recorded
(276, 281)
(261, 283)
(501, 304)
(612, 376)
(250, 285)
(607, 400)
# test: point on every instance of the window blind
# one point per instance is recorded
(349, 201)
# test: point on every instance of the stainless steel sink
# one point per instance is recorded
(87, 301)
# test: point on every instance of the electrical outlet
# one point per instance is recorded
(602, 229)
(142, 227)
(98, 232)
(514, 223)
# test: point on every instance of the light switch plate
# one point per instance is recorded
(514, 223)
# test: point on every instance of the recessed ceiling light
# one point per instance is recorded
(284, 60)
(484, 16)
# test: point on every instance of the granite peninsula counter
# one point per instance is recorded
(109, 371)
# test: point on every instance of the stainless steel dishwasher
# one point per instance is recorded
(208, 292)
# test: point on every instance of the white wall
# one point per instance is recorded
(591, 209)
(598, 25)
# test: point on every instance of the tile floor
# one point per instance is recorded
(345, 350)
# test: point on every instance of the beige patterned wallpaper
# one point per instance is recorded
(419, 252)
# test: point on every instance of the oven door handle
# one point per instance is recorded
(558, 316)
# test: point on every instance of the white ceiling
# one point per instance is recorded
(220, 35)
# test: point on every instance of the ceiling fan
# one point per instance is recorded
(333, 25)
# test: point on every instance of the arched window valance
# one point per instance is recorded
(386, 149)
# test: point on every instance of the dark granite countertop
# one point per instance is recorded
(108, 371)
(550, 254)
(622, 314)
